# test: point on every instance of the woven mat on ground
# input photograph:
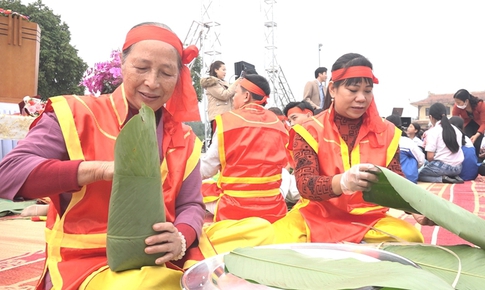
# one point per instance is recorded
(22, 255)
(469, 195)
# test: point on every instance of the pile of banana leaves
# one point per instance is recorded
(441, 267)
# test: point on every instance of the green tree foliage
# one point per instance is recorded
(195, 73)
(60, 68)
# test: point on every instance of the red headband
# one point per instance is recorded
(298, 111)
(248, 85)
(354, 72)
(183, 105)
(151, 32)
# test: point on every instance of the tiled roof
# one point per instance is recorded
(444, 98)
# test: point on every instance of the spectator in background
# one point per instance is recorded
(472, 110)
(414, 133)
(298, 112)
(288, 184)
(314, 91)
(317, 111)
(481, 159)
(411, 156)
(281, 116)
(442, 145)
(219, 93)
(469, 170)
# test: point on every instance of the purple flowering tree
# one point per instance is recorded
(104, 77)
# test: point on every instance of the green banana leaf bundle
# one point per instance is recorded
(397, 192)
(136, 201)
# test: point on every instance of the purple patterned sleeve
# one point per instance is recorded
(310, 183)
(189, 207)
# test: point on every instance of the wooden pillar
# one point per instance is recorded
(19, 58)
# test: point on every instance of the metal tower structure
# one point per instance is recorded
(280, 89)
(205, 35)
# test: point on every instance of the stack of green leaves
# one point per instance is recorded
(288, 269)
(136, 201)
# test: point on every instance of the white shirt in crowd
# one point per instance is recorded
(434, 143)
(288, 187)
(407, 144)
(418, 141)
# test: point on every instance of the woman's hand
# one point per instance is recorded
(482, 153)
(167, 241)
(474, 137)
(422, 220)
(359, 177)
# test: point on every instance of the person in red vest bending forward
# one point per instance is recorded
(249, 150)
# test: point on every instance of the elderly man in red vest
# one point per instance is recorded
(249, 150)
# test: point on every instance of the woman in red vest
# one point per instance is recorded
(68, 156)
(334, 153)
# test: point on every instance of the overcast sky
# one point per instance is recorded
(416, 47)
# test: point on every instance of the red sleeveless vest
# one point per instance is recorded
(338, 214)
(76, 240)
(252, 150)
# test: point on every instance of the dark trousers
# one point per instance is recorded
(211, 133)
(470, 130)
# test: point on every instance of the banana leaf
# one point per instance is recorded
(136, 201)
(288, 269)
(395, 191)
(385, 192)
(462, 266)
